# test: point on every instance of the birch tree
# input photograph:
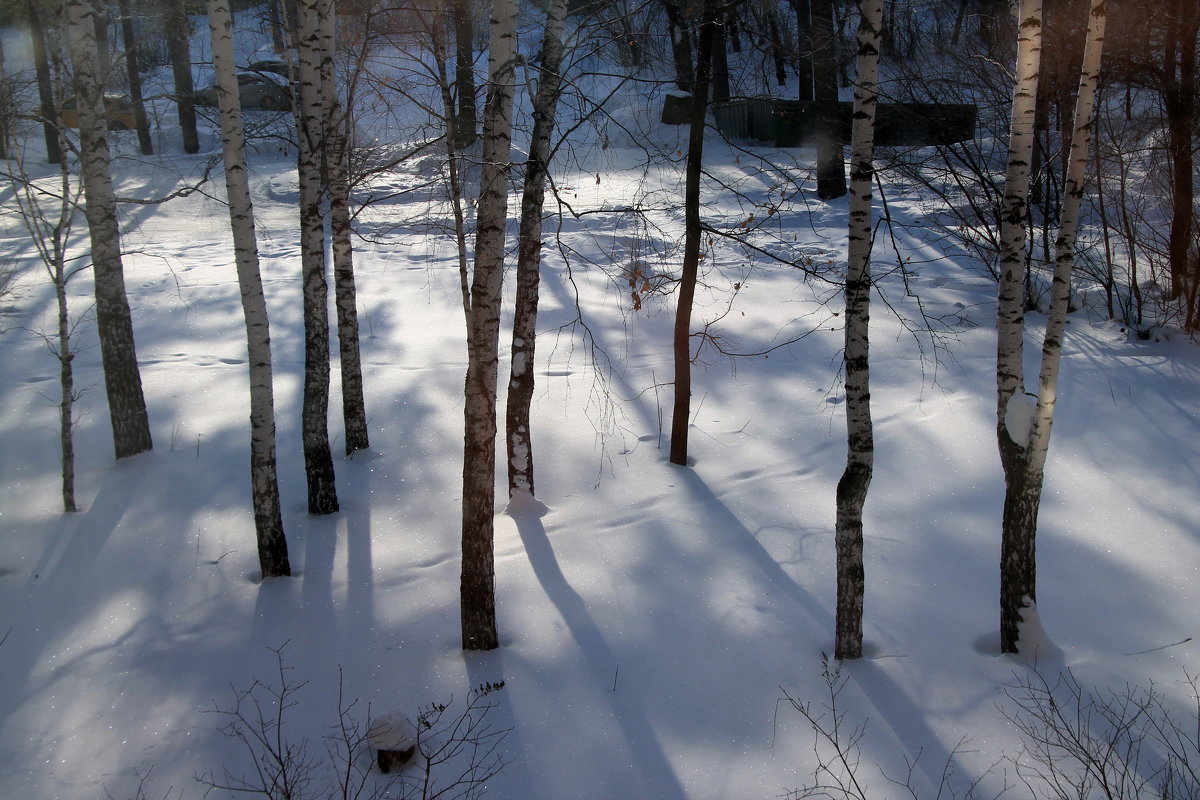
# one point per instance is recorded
(337, 153)
(264, 485)
(48, 214)
(310, 121)
(529, 255)
(1017, 568)
(114, 323)
(477, 586)
(1024, 422)
(860, 451)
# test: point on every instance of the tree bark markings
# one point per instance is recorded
(264, 485)
(1024, 457)
(114, 323)
(477, 582)
(354, 411)
(860, 453)
(318, 460)
(529, 253)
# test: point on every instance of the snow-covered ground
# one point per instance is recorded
(653, 619)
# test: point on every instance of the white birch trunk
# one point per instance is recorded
(122, 379)
(1025, 465)
(1064, 260)
(860, 453)
(264, 486)
(529, 256)
(311, 116)
(354, 411)
(477, 585)
(1017, 555)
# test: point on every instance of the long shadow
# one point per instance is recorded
(889, 699)
(654, 768)
(726, 522)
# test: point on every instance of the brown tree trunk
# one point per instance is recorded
(681, 45)
(41, 62)
(804, 48)
(175, 21)
(682, 342)
(135, 81)
(831, 166)
(464, 72)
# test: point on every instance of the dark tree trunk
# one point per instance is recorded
(1180, 103)
(831, 167)
(720, 62)
(804, 47)
(41, 62)
(5, 106)
(1018, 557)
(176, 22)
(682, 345)
(467, 124)
(135, 81)
(776, 48)
(681, 45)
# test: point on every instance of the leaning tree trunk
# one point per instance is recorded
(529, 255)
(114, 323)
(1018, 587)
(264, 485)
(831, 168)
(135, 80)
(175, 20)
(477, 585)
(689, 273)
(860, 452)
(318, 460)
(354, 409)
